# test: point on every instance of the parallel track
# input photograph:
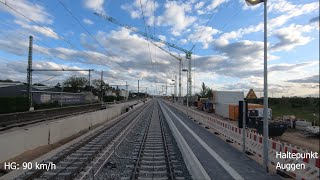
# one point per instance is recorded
(19, 119)
(72, 160)
(11, 120)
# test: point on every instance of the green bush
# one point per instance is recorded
(109, 98)
(120, 98)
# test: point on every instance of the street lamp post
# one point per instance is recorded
(175, 90)
(186, 70)
(265, 90)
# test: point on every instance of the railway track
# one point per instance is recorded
(19, 119)
(69, 162)
(147, 150)
(155, 154)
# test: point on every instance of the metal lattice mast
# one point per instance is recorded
(29, 74)
(188, 56)
(175, 86)
(180, 68)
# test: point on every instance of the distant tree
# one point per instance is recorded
(75, 83)
(58, 86)
(8, 80)
(205, 91)
(209, 93)
(97, 82)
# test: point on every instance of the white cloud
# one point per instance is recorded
(16, 69)
(87, 21)
(288, 12)
(225, 37)
(148, 7)
(96, 5)
(203, 34)
(163, 38)
(284, 6)
(215, 3)
(311, 79)
(33, 11)
(291, 37)
(199, 5)
(88, 43)
(46, 31)
(175, 15)
(243, 52)
(15, 46)
(183, 41)
(200, 12)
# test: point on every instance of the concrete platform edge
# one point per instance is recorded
(194, 166)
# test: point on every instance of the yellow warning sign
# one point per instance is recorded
(251, 95)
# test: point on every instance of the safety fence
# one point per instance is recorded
(254, 145)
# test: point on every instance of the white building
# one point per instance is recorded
(110, 93)
(124, 93)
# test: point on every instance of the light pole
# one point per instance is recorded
(265, 90)
(186, 70)
(175, 90)
(61, 95)
(138, 88)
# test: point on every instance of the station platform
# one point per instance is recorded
(219, 159)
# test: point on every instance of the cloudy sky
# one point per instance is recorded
(227, 36)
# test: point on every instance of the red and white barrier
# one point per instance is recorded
(255, 146)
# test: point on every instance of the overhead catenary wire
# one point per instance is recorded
(48, 30)
(232, 17)
(41, 82)
(211, 15)
(76, 19)
(146, 30)
(36, 40)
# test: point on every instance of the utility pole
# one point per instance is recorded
(29, 74)
(146, 92)
(90, 85)
(138, 88)
(175, 85)
(265, 93)
(180, 68)
(188, 56)
(89, 78)
(61, 95)
(127, 93)
(101, 88)
(166, 89)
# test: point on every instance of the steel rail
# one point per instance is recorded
(56, 160)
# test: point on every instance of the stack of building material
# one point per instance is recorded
(234, 110)
(302, 125)
(313, 130)
(291, 119)
(222, 100)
